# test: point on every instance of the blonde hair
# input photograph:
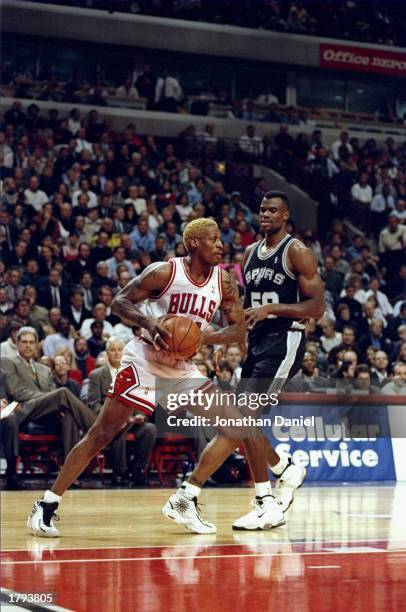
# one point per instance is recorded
(195, 229)
(64, 351)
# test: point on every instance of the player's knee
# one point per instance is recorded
(229, 434)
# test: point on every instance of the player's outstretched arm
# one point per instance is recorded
(232, 309)
(303, 265)
(148, 284)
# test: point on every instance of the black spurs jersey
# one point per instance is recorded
(268, 281)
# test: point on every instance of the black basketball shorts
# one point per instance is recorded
(271, 361)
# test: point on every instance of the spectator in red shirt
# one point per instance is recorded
(247, 236)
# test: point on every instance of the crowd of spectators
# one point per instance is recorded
(364, 180)
(84, 209)
(377, 21)
(161, 89)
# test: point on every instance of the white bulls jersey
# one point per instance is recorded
(183, 296)
(146, 376)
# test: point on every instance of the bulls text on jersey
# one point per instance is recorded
(192, 304)
(184, 296)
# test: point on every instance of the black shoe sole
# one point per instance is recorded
(244, 529)
(258, 528)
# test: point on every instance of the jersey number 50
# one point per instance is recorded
(261, 298)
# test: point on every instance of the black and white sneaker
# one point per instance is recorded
(185, 511)
(291, 479)
(265, 514)
(41, 520)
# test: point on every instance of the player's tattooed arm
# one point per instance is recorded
(303, 265)
(232, 308)
(148, 284)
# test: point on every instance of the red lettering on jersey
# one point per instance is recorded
(211, 311)
(187, 303)
(202, 314)
(174, 303)
(184, 302)
(193, 310)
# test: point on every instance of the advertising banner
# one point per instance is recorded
(336, 443)
(344, 57)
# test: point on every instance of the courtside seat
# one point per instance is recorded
(40, 451)
(100, 460)
(173, 457)
(40, 446)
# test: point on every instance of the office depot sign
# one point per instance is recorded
(362, 59)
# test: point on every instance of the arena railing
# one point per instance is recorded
(221, 159)
(320, 117)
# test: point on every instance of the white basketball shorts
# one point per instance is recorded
(146, 377)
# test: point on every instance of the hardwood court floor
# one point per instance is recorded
(343, 548)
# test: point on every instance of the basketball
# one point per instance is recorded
(186, 336)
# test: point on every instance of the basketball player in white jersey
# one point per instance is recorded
(194, 287)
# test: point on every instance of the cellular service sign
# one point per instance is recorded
(339, 445)
(343, 57)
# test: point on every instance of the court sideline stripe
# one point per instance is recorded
(115, 560)
(163, 546)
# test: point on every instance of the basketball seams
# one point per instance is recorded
(171, 330)
(178, 329)
(185, 336)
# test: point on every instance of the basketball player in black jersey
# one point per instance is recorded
(282, 290)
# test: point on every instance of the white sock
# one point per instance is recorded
(262, 488)
(278, 468)
(50, 497)
(190, 490)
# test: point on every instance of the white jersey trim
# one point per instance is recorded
(273, 250)
(200, 285)
(252, 251)
(284, 262)
(219, 279)
(169, 283)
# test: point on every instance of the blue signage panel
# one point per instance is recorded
(337, 443)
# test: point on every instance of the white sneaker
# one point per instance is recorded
(41, 520)
(291, 479)
(185, 511)
(265, 514)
